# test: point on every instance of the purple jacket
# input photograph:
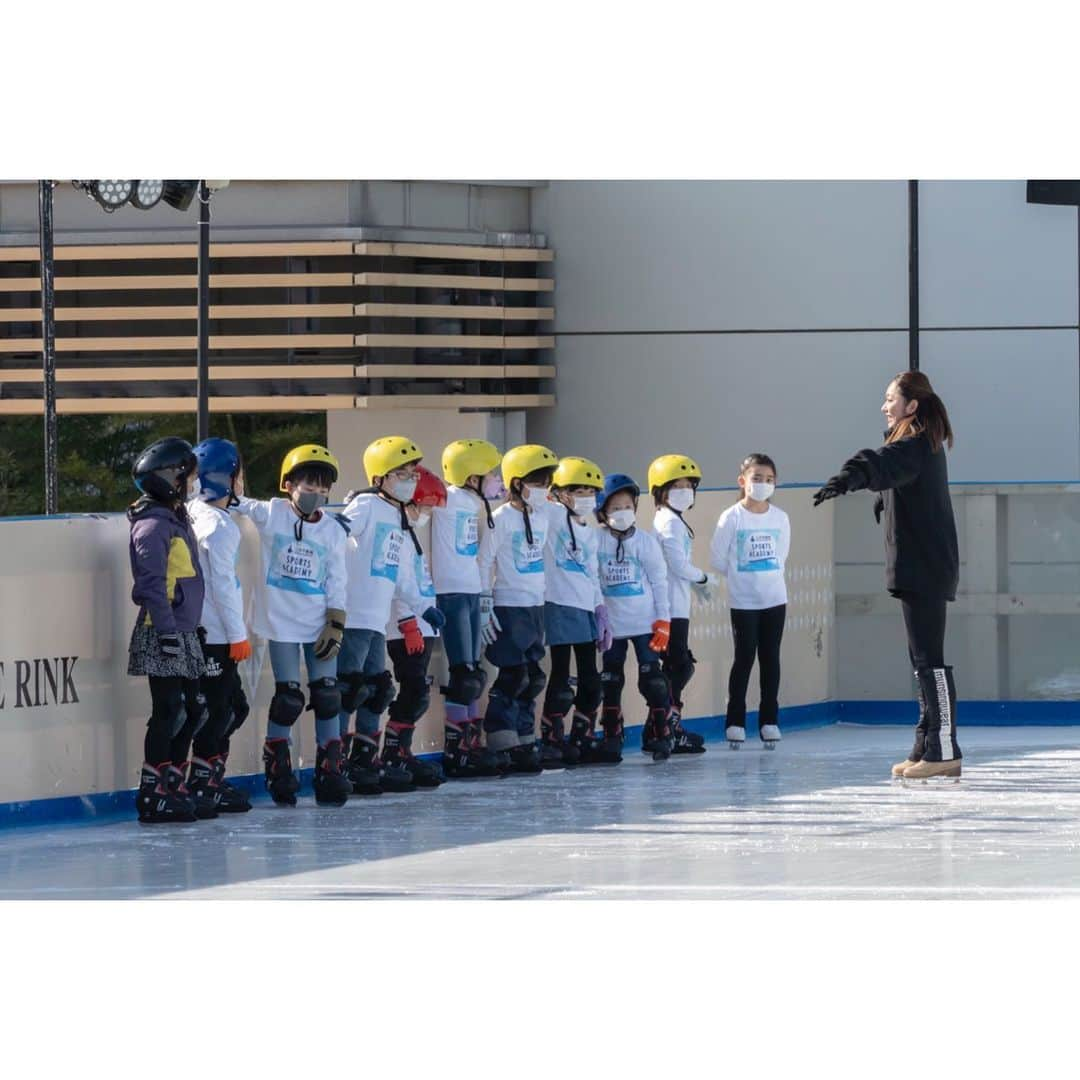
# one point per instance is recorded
(165, 567)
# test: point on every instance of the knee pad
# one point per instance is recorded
(535, 681)
(381, 692)
(683, 668)
(589, 692)
(412, 702)
(287, 704)
(511, 682)
(466, 683)
(612, 680)
(559, 700)
(355, 690)
(325, 698)
(653, 686)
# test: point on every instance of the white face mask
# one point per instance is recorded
(584, 506)
(403, 490)
(680, 499)
(621, 520)
(760, 492)
(537, 498)
(422, 519)
(196, 489)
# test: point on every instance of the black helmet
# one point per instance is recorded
(162, 469)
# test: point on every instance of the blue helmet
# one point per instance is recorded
(219, 462)
(613, 484)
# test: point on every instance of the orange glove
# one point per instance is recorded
(661, 635)
(240, 650)
(414, 639)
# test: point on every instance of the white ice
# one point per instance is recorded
(818, 818)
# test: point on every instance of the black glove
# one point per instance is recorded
(879, 506)
(835, 485)
(201, 631)
(170, 644)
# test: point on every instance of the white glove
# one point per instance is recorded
(704, 589)
(489, 622)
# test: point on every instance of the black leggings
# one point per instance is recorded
(226, 703)
(560, 694)
(924, 620)
(757, 636)
(411, 675)
(679, 660)
(179, 709)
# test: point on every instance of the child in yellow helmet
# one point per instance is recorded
(673, 482)
(511, 564)
(473, 483)
(300, 610)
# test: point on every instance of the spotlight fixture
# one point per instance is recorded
(147, 193)
(110, 195)
(180, 193)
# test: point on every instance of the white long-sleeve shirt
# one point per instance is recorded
(373, 557)
(417, 594)
(675, 542)
(303, 566)
(518, 579)
(219, 549)
(571, 577)
(750, 550)
(455, 542)
(633, 582)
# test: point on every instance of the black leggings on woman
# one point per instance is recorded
(179, 710)
(757, 636)
(560, 697)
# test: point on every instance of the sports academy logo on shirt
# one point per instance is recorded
(528, 558)
(466, 532)
(758, 550)
(386, 551)
(566, 558)
(297, 566)
(621, 578)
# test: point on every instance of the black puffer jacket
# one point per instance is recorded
(921, 552)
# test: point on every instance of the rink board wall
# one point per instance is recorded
(72, 721)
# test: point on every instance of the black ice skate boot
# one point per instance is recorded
(683, 741)
(656, 735)
(159, 799)
(583, 739)
(397, 754)
(609, 751)
(526, 759)
(281, 781)
(464, 757)
(555, 751)
(330, 784)
(203, 788)
(233, 800)
(363, 766)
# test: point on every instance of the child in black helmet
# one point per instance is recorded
(165, 645)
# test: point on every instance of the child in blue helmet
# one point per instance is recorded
(633, 582)
(226, 644)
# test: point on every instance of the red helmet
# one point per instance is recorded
(430, 490)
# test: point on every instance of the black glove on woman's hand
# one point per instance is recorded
(879, 506)
(835, 485)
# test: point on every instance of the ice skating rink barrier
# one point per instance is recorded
(72, 720)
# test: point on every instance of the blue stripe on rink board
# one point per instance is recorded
(119, 805)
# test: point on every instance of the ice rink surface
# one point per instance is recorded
(818, 818)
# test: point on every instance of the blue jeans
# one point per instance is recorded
(363, 652)
(285, 662)
(461, 635)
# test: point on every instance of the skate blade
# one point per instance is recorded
(734, 745)
(770, 744)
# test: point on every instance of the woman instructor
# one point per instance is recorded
(921, 555)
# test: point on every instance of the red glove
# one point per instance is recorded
(240, 650)
(661, 636)
(410, 631)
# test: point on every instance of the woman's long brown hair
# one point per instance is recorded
(931, 417)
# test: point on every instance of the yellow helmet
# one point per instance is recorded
(389, 453)
(468, 457)
(522, 460)
(308, 454)
(578, 472)
(671, 467)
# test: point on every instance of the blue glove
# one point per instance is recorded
(434, 618)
